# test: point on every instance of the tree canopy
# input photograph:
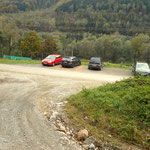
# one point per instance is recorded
(30, 44)
(139, 45)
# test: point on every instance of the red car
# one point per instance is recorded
(52, 60)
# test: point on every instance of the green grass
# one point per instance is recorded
(84, 62)
(110, 65)
(9, 61)
(121, 109)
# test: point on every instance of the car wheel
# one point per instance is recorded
(89, 68)
(53, 64)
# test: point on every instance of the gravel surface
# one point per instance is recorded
(28, 92)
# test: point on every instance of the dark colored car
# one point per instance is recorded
(70, 61)
(141, 68)
(52, 60)
(95, 63)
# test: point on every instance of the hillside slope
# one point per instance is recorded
(107, 16)
(13, 6)
(127, 17)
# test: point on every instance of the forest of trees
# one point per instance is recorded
(14, 6)
(114, 48)
(117, 30)
(127, 17)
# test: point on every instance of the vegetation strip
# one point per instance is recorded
(121, 110)
(8, 61)
(83, 61)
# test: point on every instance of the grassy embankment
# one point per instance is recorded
(121, 109)
(83, 61)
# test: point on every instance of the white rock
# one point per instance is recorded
(68, 133)
(82, 135)
(92, 147)
(61, 127)
(85, 118)
(45, 113)
(109, 135)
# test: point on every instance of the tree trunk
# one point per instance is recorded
(10, 46)
(135, 57)
(31, 49)
(64, 51)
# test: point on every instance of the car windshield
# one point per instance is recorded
(50, 57)
(96, 60)
(66, 59)
(142, 66)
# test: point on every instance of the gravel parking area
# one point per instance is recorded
(28, 92)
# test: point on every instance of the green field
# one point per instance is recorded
(121, 110)
(9, 61)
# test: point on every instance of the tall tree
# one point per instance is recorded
(116, 49)
(139, 44)
(11, 34)
(30, 44)
(127, 51)
(8, 34)
(49, 46)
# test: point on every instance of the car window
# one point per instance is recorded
(142, 66)
(66, 58)
(74, 59)
(50, 57)
(96, 60)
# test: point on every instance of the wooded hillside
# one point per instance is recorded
(13, 6)
(106, 16)
(127, 17)
(105, 28)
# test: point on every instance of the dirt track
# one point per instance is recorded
(28, 91)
